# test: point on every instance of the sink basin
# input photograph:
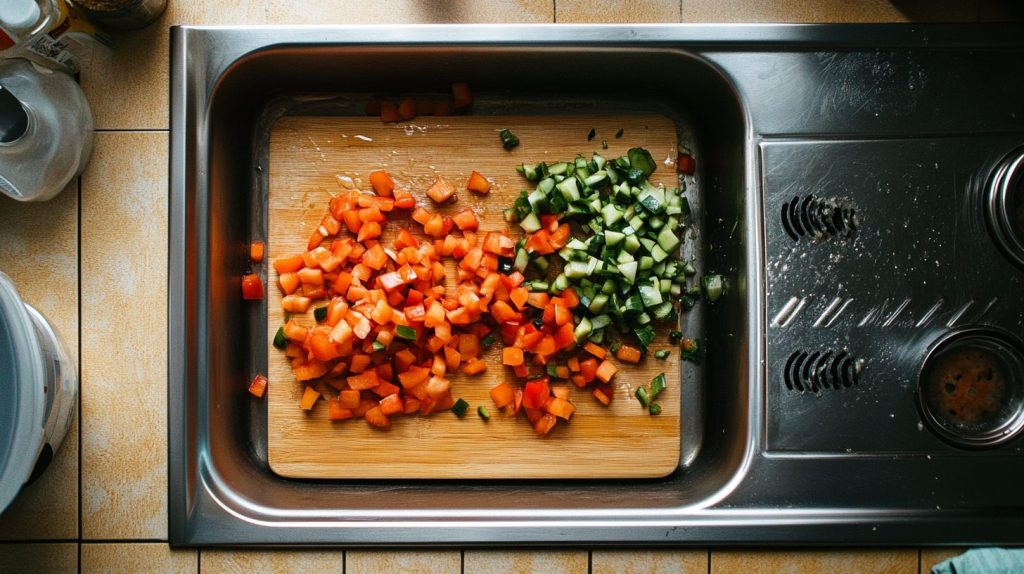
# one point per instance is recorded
(740, 478)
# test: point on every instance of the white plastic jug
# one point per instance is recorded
(45, 130)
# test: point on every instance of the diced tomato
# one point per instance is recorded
(519, 296)
(536, 394)
(461, 96)
(369, 230)
(336, 412)
(365, 380)
(309, 397)
(404, 200)
(376, 417)
(685, 164)
(295, 304)
(440, 191)
(256, 249)
(478, 183)
(511, 356)
(382, 183)
(588, 369)
(289, 282)
(252, 287)
(606, 370)
(475, 366)
(258, 386)
(289, 264)
(502, 395)
(466, 219)
(538, 300)
(595, 349)
(544, 424)
(391, 404)
(628, 354)
(560, 408)
(405, 239)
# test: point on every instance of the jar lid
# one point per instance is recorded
(21, 383)
(19, 14)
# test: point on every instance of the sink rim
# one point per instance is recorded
(196, 515)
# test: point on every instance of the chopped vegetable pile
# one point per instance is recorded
(601, 247)
(623, 262)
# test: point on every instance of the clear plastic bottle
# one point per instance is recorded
(51, 33)
(45, 130)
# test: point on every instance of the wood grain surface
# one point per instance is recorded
(308, 157)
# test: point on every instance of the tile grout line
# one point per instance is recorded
(79, 245)
(131, 130)
(554, 11)
(462, 561)
(919, 560)
(590, 561)
(199, 562)
(709, 561)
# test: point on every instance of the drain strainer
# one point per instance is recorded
(971, 387)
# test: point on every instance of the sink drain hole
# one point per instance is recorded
(815, 371)
(819, 218)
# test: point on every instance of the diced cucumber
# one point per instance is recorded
(668, 240)
(522, 260)
(569, 190)
(530, 223)
(560, 168)
(530, 172)
(541, 263)
(650, 294)
(576, 270)
(658, 253)
(632, 243)
(628, 271)
(538, 201)
(714, 287)
(611, 214)
(600, 321)
(598, 302)
(582, 331)
(612, 238)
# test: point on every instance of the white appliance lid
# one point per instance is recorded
(22, 402)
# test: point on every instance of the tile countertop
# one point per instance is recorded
(94, 260)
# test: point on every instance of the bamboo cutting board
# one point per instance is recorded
(308, 158)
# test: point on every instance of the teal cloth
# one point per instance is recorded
(983, 561)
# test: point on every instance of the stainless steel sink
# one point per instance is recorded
(848, 256)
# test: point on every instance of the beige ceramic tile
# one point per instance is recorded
(521, 562)
(790, 11)
(39, 251)
(331, 12)
(616, 11)
(38, 558)
(405, 561)
(279, 562)
(127, 84)
(127, 558)
(649, 561)
(899, 561)
(932, 556)
(124, 337)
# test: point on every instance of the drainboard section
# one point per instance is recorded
(877, 251)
